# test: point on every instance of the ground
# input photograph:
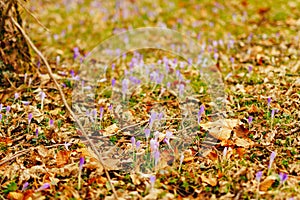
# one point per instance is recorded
(253, 47)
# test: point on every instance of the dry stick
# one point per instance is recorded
(34, 17)
(66, 104)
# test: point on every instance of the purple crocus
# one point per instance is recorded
(147, 133)
(269, 101)
(153, 145)
(156, 157)
(1, 107)
(152, 180)
(17, 95)
(43, 187)
(113, 82)
(81, 162)
(125, 83)
(7, 109)
(200, 112)
(152, 118)
(181, 90)
(283, 177)
(51, 123)
(250, 119)
(101, 112)
(272, 157)
(168, 136)
(273, 112)
(36, 132)
(138, 144)
(250, 68)
(29, 118)
(259, 175)
(0, 116)
(132, 141)
(25, 185)
(76, 52)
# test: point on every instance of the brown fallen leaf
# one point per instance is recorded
(267, 183)
(62, 158)
(15, 195)
(221, 129)
(241, 131)
(211, 181)
(110, 130)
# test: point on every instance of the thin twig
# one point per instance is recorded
(66, 104)
(33, 16)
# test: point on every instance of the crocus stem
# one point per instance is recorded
(79, 180)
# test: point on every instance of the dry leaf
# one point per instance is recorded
(243, 142)
(267, 183)
(110, 130)
(62, 158)
(211, 181)
(241, 131)
(15, 195)
(221, 129)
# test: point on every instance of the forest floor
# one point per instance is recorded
(254, 145)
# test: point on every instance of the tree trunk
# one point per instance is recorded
(14, 51)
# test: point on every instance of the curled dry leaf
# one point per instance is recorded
(221, 129)
(110, 130)
(62, 158)
(15, 195)
(211, 181)
(267, 183)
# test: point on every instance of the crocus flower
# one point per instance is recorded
(36, 132)
(147, 133)
(250, 119)
(43, 187)
(51, 123)
(29, 118)
(153, 144)
(25, 185)
(7, 109)
(181, 159)
(101, 112)
(138, 144)
(259, 175)
(181, 89)
(0, 116)
(76, 52)
(156, 157)
(1, 107)
(42, 96)
(225, 152)
(200, 112)
(66, 144)
(17, 95)
(168, 136)
(132, 141)
(152, 118)
(269, 101)
(272, 157)
(125, 83)
(273, 112)
(81, 162)
(113, 82)
(283, 177)
(152, 180)
(250, 68)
